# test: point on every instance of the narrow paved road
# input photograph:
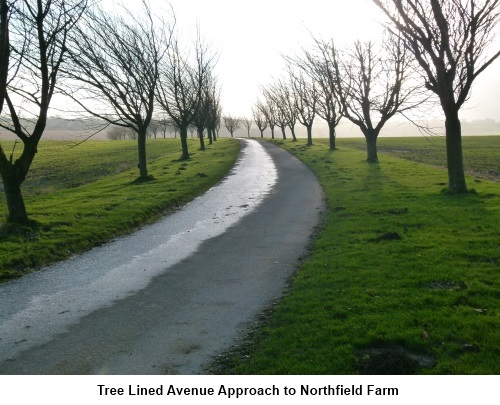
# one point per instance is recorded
(168, 298)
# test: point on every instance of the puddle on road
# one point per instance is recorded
(36, 307)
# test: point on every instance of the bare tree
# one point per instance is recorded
(279, 99)
(319, 64)
(305, 101)
(232, 124)
(154, 128)
(288, 103)
(268, 109)
(115, 133)
(35, 34)
(259, 118)
(201, 117)
(449, 40)
(275, 113)
(247, 123)
(169, 125)
(209, 111)
(114, 69)
(214, 110)
(374, 85)
(182, 84)
(165, 125)
(192, 128)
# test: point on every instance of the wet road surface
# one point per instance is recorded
(168, 298)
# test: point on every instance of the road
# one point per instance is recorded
(171, 296)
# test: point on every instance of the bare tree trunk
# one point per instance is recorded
(272, 133)
(202, 140)
(292, 129)
(4, 49)
(456, 177)
(15, 201)
(332, 135)
(283, 131)
(309, 135)
(14, 174)
(183, 136)
(262, 133)
(209, 135)
(141, 145)
(371, 146)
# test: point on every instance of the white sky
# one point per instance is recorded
(251, 35)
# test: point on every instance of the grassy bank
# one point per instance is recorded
(402, 279)
(84, 196)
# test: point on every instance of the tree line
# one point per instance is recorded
(431, 52)
(125, 68)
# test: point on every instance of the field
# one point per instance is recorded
(83, 196)
(402, 279)
(481, 153)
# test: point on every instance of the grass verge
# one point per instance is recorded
(403, 279)
(82, 197)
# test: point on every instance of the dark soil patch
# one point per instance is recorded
(388, 236)
(394, 211)
(144, 179)
(392, 361)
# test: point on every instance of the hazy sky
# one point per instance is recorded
(250, 36)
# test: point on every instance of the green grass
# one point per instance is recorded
(480, 153)
(403, 278)
(84, 196)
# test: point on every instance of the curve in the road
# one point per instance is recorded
(172, 295)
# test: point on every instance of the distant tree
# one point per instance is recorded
(166, 125)
(192, 128)
(182, 85)
(320, 64)
(33, 48)
(247, 123)
(171, 126)
(449, 40)
(214, 110)
(268, 109)
(305, 99)
(287, 100)
(278, 99)
(154, 128)
(115, 133)
(232, 124)
(218, 125)
(374, 85)
(259, 119)
(201, 117)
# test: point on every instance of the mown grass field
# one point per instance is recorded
(402, 279)
(84, 196)
(481, 153)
